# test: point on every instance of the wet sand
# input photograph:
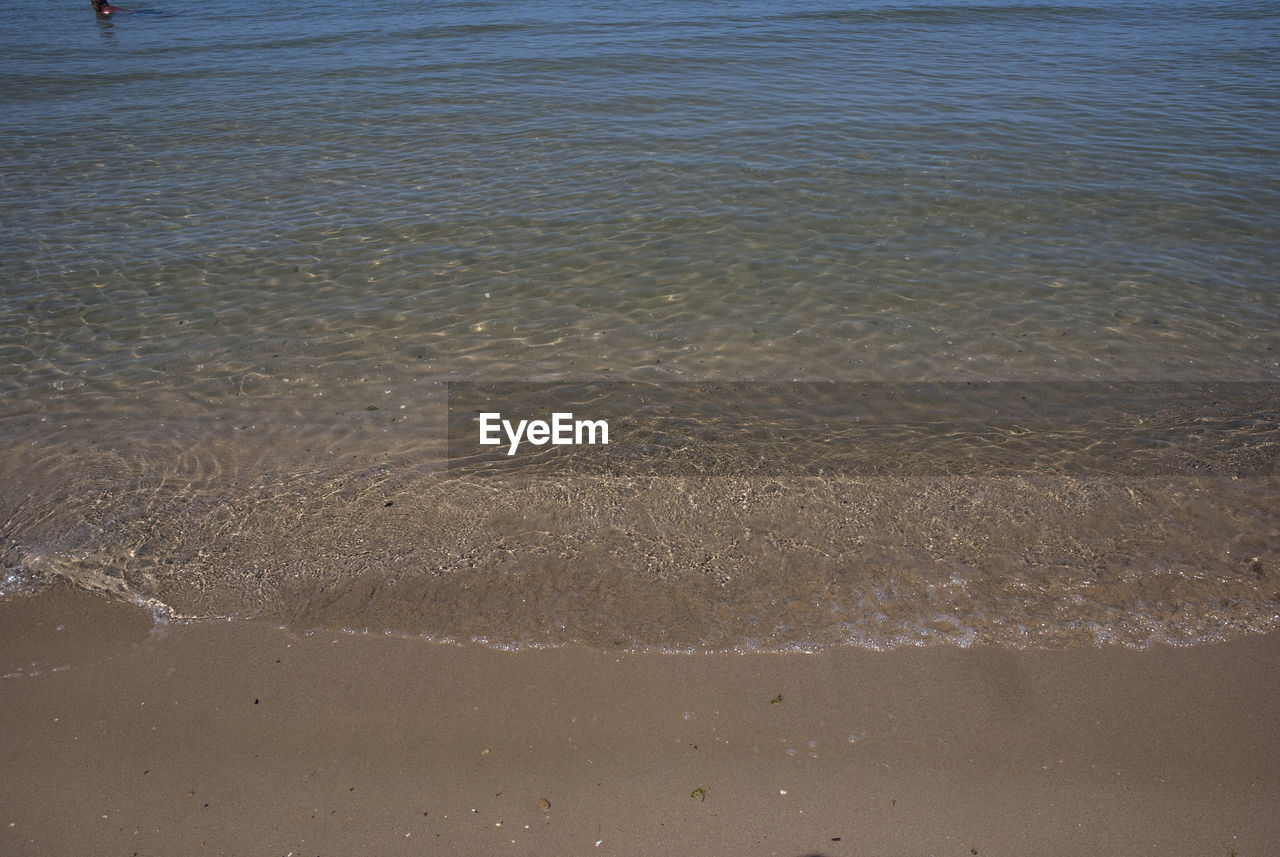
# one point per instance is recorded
(122, 737)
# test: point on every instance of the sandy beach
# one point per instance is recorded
(124, 737)
(937, 348)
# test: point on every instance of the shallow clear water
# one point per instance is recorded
(247, 249)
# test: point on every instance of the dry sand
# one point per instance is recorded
(124, 738)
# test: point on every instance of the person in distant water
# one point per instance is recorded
(102, 7)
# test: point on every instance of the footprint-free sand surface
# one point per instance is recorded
(124, 737)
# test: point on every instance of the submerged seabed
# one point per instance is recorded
(237, 280)
(364, 535)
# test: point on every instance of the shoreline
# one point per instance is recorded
(124, 736)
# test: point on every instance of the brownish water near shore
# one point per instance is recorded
(238, 295)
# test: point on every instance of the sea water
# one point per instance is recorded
(258, 258)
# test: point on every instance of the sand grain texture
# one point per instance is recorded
(241, 738)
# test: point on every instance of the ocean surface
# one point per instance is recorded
(914, 322)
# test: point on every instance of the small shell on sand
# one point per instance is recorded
(544, 804)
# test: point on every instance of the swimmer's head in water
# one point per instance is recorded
(99, 5)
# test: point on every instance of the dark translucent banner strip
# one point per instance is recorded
(708, 429)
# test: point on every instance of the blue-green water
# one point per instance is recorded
(247, 245)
